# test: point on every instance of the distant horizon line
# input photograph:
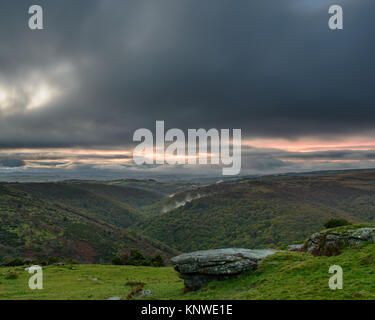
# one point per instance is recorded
(162, 178)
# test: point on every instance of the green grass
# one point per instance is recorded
(292, 275)
(285, 275)
(63, 283)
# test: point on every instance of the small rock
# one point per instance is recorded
(94, 279)
(295, 247)
(114, 298)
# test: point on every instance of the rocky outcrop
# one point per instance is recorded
(331, 242)
(199, 267)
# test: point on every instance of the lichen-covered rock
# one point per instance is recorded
(199, 267)
(330, 242)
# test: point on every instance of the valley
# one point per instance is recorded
(94, 221)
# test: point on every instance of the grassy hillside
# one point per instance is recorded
(71, 197)
(132, 196)
(165, 188)
(37, 226)
(285, 275)
(263, 212)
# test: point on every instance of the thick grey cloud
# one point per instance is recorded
(272, 68)
(11, 163)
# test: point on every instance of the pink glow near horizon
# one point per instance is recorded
(311, 145)
(118, 155)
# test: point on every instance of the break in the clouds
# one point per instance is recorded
(102, 69)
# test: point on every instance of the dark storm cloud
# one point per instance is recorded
(272, 68)
(47, 163)
(263, 162)
(11, 163)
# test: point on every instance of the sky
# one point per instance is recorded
(72, 95)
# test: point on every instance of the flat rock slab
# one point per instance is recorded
(200, 267)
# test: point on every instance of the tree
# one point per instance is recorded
(333, 223)
(157, 261)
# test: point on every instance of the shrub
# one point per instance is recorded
(52, 260)
(15, 262)
(135, 291)
(157, 261)
(333, 223)
(135, 258)
(11, 275)
(134, 283)
(70, 261)
(117, 261)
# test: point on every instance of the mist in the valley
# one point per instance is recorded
(179, 203)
